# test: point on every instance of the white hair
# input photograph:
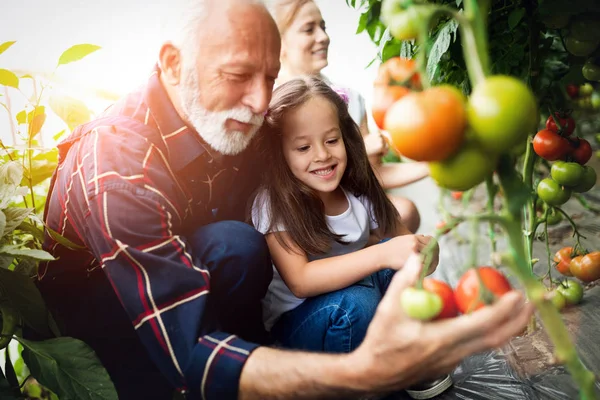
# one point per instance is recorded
(184, 19)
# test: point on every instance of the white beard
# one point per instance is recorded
(210, 125)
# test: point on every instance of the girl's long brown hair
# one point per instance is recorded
(293, 205)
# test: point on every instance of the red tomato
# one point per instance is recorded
(446, 293)
(586, 268)
(562, 258)
(467, 291)
(573, 91)
(441, 226)
(550, 146)
(567, 123)
(582, 151)
(456, 195)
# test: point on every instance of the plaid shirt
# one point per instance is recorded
(130, 200)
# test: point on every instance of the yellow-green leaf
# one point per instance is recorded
(8, 78)
(76, 52)
(73, 111)
(22, 117)
(4, 46)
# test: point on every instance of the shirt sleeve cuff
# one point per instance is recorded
(216, 365)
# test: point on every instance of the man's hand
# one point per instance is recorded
(399, 351)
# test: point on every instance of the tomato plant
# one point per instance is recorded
(567, 173)
(446, 293)
(552, 193)
(572, 291)
(562, 258)
(567, 123)
(421, 304)
(498, 123)
(428, 125)
(465, 169)
(550, 146)
(468, 296)
(587, 267)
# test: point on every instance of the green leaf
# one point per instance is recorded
(14, 217)
(33, 230)
(6, 261)
(406, 50)
(70, 368)
(76, 52)
(24, 297)
(515, 17)
(63, 240)
(42, 170)
(4, 46)
(16, 251)
(8, 78)
(59, 135)
(362, 22)
(21, 117)
(11, 375)
(440, 46)
(26, 267)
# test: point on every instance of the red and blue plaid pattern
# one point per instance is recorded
(130, 200)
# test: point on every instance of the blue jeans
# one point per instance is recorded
(88, 309)
(333, 322)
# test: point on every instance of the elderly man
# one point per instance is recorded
(165, 284)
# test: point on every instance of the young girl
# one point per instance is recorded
(324, 212)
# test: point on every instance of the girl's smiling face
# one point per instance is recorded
(313, 146)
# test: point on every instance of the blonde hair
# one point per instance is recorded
(285, 11)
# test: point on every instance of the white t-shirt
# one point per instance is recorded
(354, 224)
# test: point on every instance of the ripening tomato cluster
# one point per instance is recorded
(460, 138)
(585, 267)
(584, 96)
(437, 300)
(568, 172)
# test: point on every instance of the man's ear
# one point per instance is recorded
(170, 63)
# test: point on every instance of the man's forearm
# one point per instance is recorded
(280, 374)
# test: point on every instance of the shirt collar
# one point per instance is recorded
(184, 144)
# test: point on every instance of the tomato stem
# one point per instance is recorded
(491, 192)
(547, 240)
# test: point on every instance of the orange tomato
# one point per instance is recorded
(586, 268)
(562, 258)
(395, 79)
(446, 293)
(428, 125)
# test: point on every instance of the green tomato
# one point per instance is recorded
(572, 291)
(586, 89)
(585, 27)
(588, 180)
(595, 100)
(556, 21)
(558, 299)
(552, 193)
(554, 217)
(567, 173)
(421, 304)
(502, 112)
(405, 25)
(597, 137)
(584, 102)
(591, 71)
(581, 48)
(463, 170)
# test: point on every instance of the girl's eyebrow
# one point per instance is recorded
(303, 137)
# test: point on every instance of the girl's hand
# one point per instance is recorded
(397, 250)
(375, 144)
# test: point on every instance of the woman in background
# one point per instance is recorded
(304, 51)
